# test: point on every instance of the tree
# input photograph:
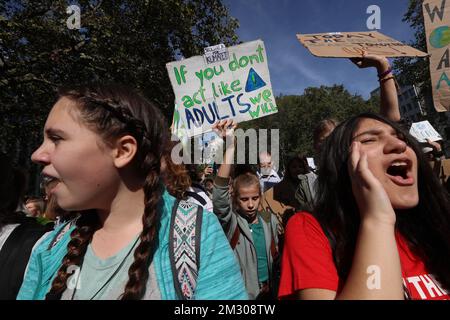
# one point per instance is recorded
(417, 71)
(298, 115)
(120, 41)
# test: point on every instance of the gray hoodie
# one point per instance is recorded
(245, 250)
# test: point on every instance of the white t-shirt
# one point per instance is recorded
(105, 279)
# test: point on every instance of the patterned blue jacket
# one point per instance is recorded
(219, 277)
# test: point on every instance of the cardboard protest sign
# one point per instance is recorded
(352, 44)
(445, 170)
(424, 130)
(233, 84)
(436, 14)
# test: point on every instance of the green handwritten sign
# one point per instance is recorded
(237, 88)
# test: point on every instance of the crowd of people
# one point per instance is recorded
(120, 219)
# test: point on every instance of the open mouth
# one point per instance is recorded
(400, 172)
(49, 181)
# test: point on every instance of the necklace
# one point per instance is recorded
(110, 278)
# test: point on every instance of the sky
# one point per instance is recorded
(292, 68)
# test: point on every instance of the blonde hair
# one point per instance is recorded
(245, 180)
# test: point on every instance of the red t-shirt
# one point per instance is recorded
(307, 262)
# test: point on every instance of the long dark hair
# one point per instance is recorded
(176, 176)
(113, 111)
(426, 227)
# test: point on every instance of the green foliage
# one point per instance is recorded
(415, 70)
(298, 115)
(119, 41)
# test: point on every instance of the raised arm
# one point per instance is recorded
(221, 194)
(389, 107)
(225, 129)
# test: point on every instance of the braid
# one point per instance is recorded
(77, 246)
(143, 255)
(113, 111)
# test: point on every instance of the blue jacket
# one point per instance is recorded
(219, 276)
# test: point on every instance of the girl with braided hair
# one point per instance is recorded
(103, 146)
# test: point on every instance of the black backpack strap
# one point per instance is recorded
(14, 257)
(196, 197)
(235, 237)
(184, 247)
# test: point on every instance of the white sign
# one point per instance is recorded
(424, 130)
(238, 88)
(215, 54)
(311, 163)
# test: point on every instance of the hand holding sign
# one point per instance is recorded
(208, 171)
(225, 128)
(435, 145)
(371, 60)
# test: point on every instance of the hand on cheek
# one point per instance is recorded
(372, 199)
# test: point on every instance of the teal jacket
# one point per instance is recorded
(219, 277)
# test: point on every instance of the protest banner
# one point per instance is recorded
(424, 130)
(232, 84)
(352, 45)
(436, 14)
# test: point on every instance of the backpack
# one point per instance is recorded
(196, 196)
(14, 257)
(184, 246)
(184, 253)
